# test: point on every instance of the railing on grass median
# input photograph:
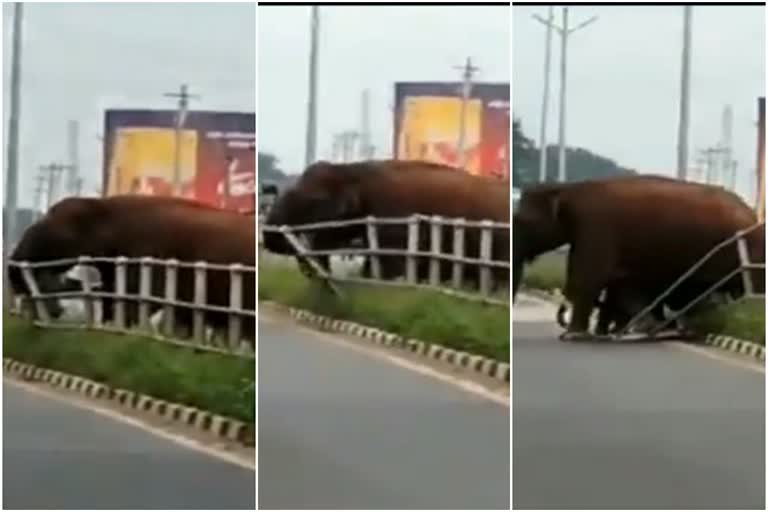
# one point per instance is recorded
(145, 287)
(745, 268)
(434, 252)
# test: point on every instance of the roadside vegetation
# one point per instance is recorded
(213, 382)
(422, 314)
(744, 319)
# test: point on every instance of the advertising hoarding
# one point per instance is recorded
(428, 124)
(217, 156)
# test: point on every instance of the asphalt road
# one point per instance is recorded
(640, 426)
(341, 429)
(57, 456)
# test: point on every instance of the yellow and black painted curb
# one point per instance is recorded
(217, 425)
(472, 362)
(721, 341)
(744, 347)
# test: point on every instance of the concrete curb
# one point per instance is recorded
(474, 363)
(721, 341)
(220, 426)
(731, 344)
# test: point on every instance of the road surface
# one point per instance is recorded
(643, 426)
(57, 456)
(340, 428)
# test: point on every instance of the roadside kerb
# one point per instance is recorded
(198, 419)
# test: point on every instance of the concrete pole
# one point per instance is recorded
(73, 131)
(12, 171)
(563, 81)
(466, 91)
(311, 136)
(545, 99)
(682, 137)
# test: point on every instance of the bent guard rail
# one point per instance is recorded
(744, 268)
(412, 254)
(167, 304)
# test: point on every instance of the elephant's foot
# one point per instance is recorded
(577, 336)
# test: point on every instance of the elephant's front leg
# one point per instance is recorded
(585, 281)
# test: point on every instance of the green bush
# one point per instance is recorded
(218, 383)
(426, 315)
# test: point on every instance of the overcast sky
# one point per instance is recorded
(80, 59)
(365, 47)
(624, 81)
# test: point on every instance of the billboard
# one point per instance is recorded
(217, 156)
(761, 158)
(428, 123)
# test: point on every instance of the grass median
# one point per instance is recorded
(217, 383)
(422, 314)
(743, 319)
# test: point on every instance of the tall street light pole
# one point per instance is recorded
(564, 32)
(12, 176)
(545, 99)
(311, 136)
(685, 85)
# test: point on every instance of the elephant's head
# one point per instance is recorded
(537, 227)
(68, 230)
(324, 192)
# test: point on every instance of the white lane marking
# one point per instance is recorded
(712, 353)
(186, 442)
(381, 353)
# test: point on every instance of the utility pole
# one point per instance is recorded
(12, 177)
(73, 132)
(365, 128)
(181, 116)
(685, 85)
(564, 32)
(53, 171)
(40, 180)
(545, 99)
(467, 71)
(311, 137)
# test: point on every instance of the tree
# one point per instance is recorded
(268, 169)
(524, 165)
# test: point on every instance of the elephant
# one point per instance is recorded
(144, 226)
(392, 188)
(642, 231)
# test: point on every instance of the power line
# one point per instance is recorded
(564, 32)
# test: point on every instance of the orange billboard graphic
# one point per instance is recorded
(143, 161)
(430, 131)
(428, 125)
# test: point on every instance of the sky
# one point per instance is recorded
(623, 86)
(359, 48)
(80, 59)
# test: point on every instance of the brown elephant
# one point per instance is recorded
(391, 188)
(138, 226)
(642, 231)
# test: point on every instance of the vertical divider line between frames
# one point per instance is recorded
(511, 252)
(256, 190)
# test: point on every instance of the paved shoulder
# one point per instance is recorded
(62, 457)
(341, 429)
(638, 426)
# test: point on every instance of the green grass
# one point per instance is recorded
(743, 319)
(426, 315)
(217, 383)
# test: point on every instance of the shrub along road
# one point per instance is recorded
(632, 426)
(341, 428)
(58, 456)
